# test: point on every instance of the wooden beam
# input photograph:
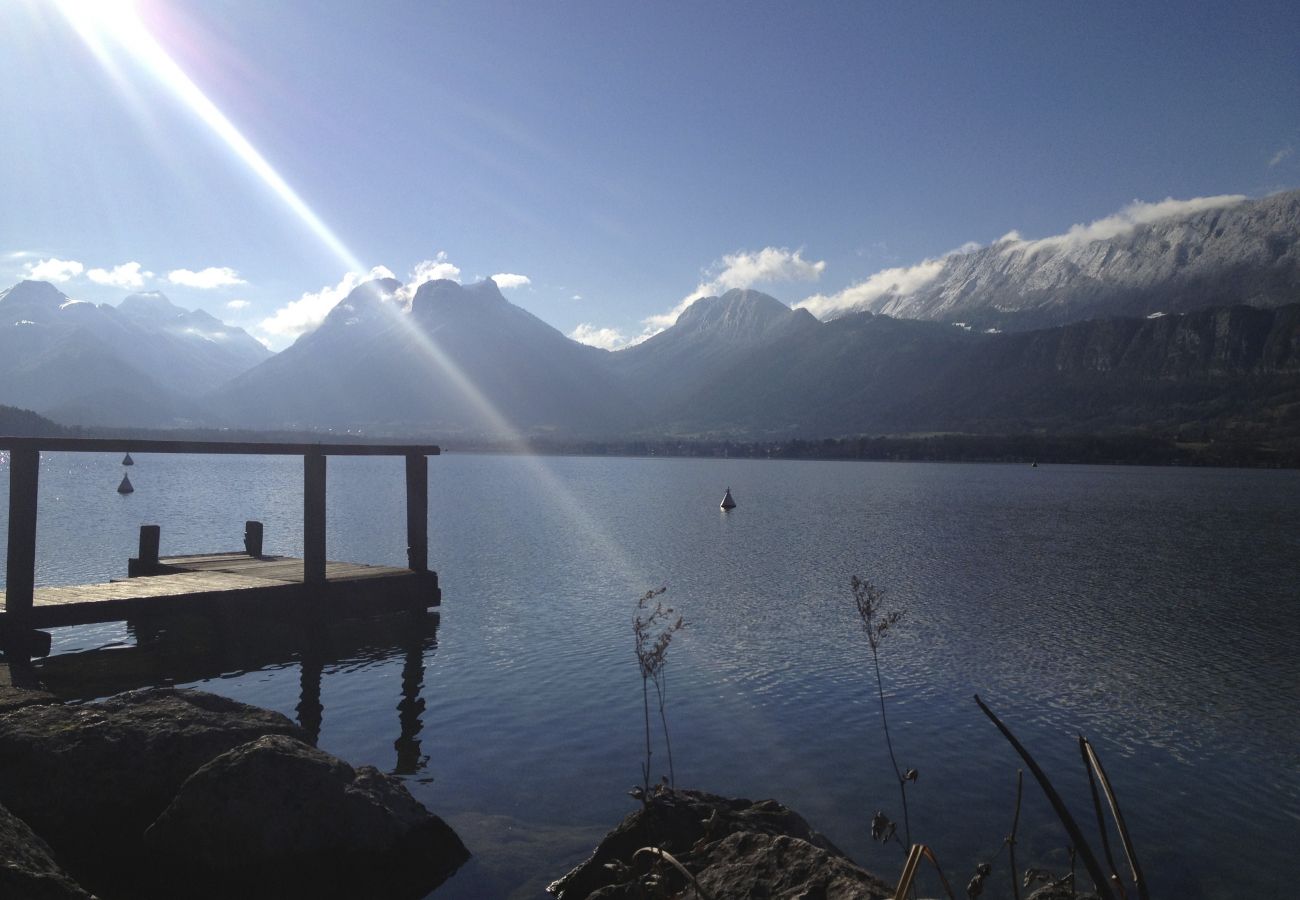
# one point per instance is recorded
(313, 517)
(417, 512)
(266, 448)
(20, 561)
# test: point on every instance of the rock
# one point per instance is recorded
(20, 686)
(89, 779)
(12, 698)
(734, 848)
(276, 817)
(752, 864)
(27, 867)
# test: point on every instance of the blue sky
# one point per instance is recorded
(619, 156)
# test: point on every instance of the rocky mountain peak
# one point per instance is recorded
(153, 304)
(740, 315)
(33, 297)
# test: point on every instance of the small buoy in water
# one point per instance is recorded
(727, 502)
(127, 460)
(125, 487)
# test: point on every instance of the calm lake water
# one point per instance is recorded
(1155, 611)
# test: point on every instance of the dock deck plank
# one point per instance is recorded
(212, 580)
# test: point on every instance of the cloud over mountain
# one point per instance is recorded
(508, 280)
(53, 269)
(604, 338)
(206, 279)
(127, 275)
(309, 310)
(742, 269)
(889, 289)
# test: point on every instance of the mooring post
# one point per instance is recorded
(20, 562)
(313, 517)
(150, 541)
(146, 562)
(253, 538)
(417, 512)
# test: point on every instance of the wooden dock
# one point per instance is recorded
(238, 584)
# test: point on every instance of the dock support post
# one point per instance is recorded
(253, 538)
(150, 541)
(417, 512)
(20, 561)
(313, 517)
(146, 563)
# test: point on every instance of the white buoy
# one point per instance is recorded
(727, 502)
(125, 487)
(127, 460)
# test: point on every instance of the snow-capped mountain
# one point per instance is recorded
(90, 363)
(1234, 251)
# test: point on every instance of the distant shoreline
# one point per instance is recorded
(1112, 448)
(1119, 450)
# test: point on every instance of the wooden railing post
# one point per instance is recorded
(417, 512)
(313, 517)
(20, 561)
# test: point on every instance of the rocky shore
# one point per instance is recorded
(729, 849)
(179, 793)
(690, 845)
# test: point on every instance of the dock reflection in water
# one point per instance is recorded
(183, 650)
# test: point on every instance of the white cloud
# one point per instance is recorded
(1130, 217)
(54, 269)
(897, 281)
(434, 269)
(127, 275)
(741, 270)
(576, 297)
(237, 305)
(507, 280)
(206, 279)
(605, 338)
(1285, 153)
(309, 310)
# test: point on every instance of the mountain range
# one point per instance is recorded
(1184, 325)
(1234, 251)
(142, 362)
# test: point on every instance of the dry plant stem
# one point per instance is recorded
(661, 690)
(1101, 821)
(898, 773)
(876, 623)
(645, 767)
(672, 860)
(1094, 761)
(1011, 839)
(1099, 880)
(914, 857)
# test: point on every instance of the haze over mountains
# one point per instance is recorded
(1186, 323)
(142, 362)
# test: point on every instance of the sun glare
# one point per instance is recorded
(115, 33)
(108, 25)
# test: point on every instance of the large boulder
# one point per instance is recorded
(278, 818)
(90, 779)
(27, 867)
(732, 848)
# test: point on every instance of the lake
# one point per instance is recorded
(1155, 611)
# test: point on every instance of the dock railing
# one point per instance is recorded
(24, 479)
